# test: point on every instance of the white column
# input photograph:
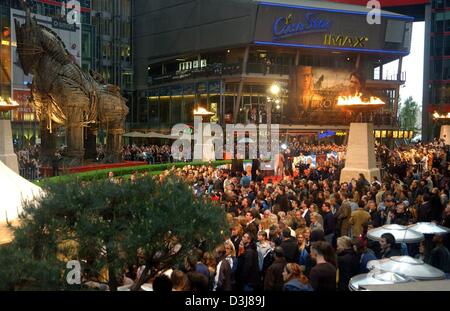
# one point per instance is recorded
(360, 157)
(445, 134)
(7, 155)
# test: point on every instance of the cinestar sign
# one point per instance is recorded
(288, 26)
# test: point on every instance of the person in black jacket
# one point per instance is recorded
(440, 255)
(436, 207)
(223, 279)
(290, 246)
(348, 262)
(328, 222)
(247, 273)
(255, 168)
(424, 209)
(273, 280)
(378, 217)
(388, 246)
(251, 227)
(258, 176)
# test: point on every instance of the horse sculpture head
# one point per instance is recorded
(29, 48)
(35, 41)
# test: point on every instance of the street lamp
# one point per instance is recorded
(274, 97)
(444, 121)
(275, 89)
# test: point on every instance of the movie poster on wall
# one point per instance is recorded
(315, 90)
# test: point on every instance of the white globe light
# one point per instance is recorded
(275, 89)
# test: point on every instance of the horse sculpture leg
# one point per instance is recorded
(90, 144)
(114, 144)
(48, 142)
(74, 128)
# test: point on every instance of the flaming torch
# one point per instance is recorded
(202, 112)
(8, 105)
(358, 104)
(441, 117)
(360, 157)
(443, 120)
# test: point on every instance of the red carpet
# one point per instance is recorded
(96, 167)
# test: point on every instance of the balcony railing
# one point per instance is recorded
(265, 69)
(391, 77)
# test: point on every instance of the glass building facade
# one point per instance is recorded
(111, 20)
(211, 80)
(440, 53)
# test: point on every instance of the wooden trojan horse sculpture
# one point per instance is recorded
(65, 95)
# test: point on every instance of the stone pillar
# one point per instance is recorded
(75, 133)
(360, 157)
(114, 144)
(48, 141)
(209, 153)
(90, 144)
(445, 134)
(7, 155)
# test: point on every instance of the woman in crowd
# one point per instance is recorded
(294, 279)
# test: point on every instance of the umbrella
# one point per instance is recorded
(375, 278)
(134, 135)
(402, 234)
(407, 267)
(422, 286)
(429, 228)
(246, 140)
(162, 136)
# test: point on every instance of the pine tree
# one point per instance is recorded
(107, 226)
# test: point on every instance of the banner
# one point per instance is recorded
(317, 89)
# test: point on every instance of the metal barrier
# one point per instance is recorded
(30, 173)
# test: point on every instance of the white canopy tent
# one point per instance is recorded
(15, 190)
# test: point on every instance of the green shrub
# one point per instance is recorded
(122, 171)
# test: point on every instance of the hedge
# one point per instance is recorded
(122, 171)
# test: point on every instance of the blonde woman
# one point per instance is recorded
(302, 248)
(294, 279)
(316, 221)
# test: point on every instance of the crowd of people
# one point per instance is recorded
(149, 153)
(29, 163)
(309, 231)
(296, 148)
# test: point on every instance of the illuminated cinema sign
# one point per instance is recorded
(345, 41)
(326, 134)
(287, 26)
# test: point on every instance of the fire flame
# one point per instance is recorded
(202, 112)
(10, 103)
(357, 101)
(436, 115)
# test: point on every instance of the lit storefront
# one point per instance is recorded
(310, 50)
